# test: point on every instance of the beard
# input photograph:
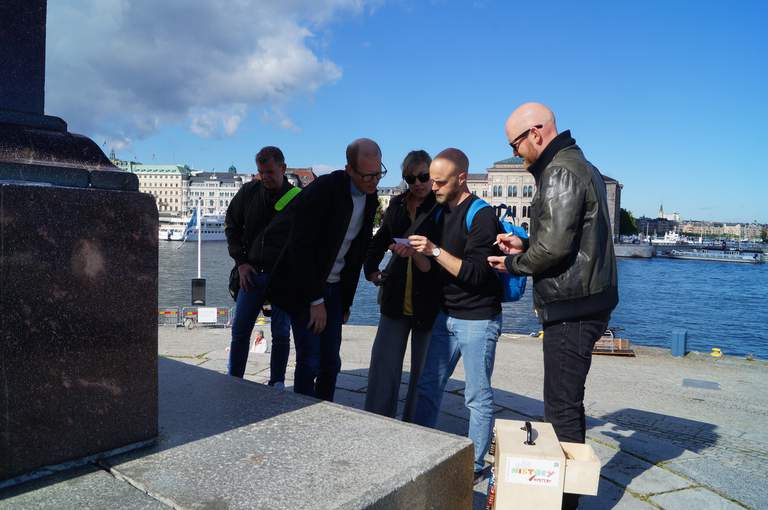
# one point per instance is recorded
(447, 197)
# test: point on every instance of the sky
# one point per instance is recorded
(668, 97)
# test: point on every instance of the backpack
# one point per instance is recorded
(513, 285)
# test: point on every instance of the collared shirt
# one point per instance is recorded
(355, 224)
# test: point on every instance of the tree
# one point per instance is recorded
(764, 234)
(627, 224)
(379, 215)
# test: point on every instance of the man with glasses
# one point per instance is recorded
(317, 277)
(570, 255)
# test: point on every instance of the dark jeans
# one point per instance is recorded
(567, 357)
(317, 356)
(247, 310)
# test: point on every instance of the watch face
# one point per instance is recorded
(435, 252)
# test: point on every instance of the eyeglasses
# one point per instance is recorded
(370, 177)
(410, 179)
(517, 141)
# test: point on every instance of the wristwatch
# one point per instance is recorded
(436, 252)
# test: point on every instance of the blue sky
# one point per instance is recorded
(667, 97)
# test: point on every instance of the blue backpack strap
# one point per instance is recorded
(473, 209)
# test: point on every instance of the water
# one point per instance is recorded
(720, 304)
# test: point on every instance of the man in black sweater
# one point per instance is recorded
(255, 240)
(317, 278)
(469, 324)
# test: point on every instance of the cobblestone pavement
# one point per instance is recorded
(672, 433)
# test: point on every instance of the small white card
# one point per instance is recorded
(402, 240)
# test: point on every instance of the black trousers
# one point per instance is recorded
(567, 358)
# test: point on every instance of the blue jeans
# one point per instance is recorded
(317, 356)
(247, 310)
(475, 340)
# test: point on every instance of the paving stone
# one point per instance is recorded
(741, 482)
(216, 449)
(351, 382)
(640, 444)
(698, 498)
(613, 497)
(636, 474)
(519, 403)
(78, 489)
(454, 405)
(349, 398)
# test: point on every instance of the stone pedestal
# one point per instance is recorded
(78, 319)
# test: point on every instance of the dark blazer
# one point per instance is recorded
(320, 219)
(426, 291)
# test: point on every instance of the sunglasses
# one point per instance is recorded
(410, 179)
(517, 141)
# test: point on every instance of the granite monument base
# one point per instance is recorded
(230, 443)
(78, 323)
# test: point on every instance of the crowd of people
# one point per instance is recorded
(304, 251)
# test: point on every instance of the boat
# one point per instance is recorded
(669, 239)
(717, 256)
(185, 229)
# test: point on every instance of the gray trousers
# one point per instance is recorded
(386, 366)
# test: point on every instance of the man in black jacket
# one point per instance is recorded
(317, 278)
(255, 239)
(570, 256)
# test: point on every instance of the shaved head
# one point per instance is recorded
(457, 157)
(538, 122)
(449, 176)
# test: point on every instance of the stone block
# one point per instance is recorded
(228, 442)
(78, 489)
(78, 323)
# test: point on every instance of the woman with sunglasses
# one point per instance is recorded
(409, 290)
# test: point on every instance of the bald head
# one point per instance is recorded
(459, 161)
(543, 129)
(362, 148)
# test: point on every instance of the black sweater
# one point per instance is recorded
(426, 285)
(475, 294)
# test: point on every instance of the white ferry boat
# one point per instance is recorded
(719, 256)
(185, 229)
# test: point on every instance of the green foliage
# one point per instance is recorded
(764, 234)
(627, 224)
(379, 215)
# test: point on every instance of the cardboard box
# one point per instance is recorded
(534, 476)
(582, 469)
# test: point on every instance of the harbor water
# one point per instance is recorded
(720, 304)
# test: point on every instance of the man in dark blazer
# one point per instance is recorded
(317, 278)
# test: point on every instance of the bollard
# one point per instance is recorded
(679, 342)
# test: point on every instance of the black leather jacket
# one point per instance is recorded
(570, 250)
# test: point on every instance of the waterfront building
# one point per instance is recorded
(168, 184)
(655, 226)
(719, 229)
(304, 175)
(386, 194)
(213, 191)
(508, 185)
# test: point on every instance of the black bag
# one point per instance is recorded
(234, 282)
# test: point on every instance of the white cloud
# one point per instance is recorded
(124, 68)
(322, 168)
